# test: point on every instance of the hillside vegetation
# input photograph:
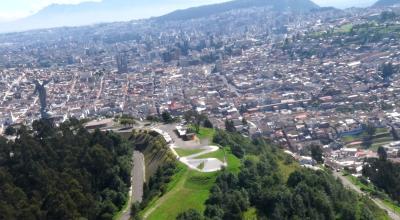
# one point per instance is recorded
(270, 185)
(63, 172)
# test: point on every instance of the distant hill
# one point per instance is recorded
(86, 13)
(204, 11)
(383, 3)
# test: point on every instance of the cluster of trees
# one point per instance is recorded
(305, 195)
(384, 174)
(165, 117)
(387, 70)
(160, 160)
(260, 185)
(238, 144)
(230, 126)
(370, 129)
(151, 142)
(126, 120)
(63, 172)
(197, 120)
(156, 186)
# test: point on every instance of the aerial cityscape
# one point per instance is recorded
(244, 95)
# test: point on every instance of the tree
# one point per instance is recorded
(382, 153)
(135, 209)
(10, 130)
(88, 173)
(370, 129)
(207, 123)
(316, 153)
(230, 126)
(197, 121)
(387, 70)
(190, 214)
(189, 116)
(394, 133)
(367, 142)
(166, 117)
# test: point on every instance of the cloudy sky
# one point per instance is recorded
(13, 9)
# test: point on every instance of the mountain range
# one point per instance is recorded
(207, 10)
(383, 3)
(86, 13)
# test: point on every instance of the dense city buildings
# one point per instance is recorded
(299, 79)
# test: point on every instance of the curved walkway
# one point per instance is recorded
(207, 164)
(202, 165)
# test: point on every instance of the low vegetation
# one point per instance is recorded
(187, 152)
(385, 175)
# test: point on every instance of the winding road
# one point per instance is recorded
(378, 202)
(137, 180)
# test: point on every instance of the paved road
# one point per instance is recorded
(137, 180)
(347, 183)
(138, 176)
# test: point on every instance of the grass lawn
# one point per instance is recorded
(382, 130)
(190, 192)
(352, 138)
(189, 189)
(233, 162)
(205, 133)
(186, 152)
(219, 154)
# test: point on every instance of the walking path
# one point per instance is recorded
(378, 202)
(202, 165)
(208, 164)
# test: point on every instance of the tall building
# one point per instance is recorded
(122, 62)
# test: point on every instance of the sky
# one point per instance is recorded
(14, 9)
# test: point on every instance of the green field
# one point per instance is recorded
(233, 162)
(187, 152)
(219, 154)
(382, 137)
(189, 189)
(206, 133)
(189, 192)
